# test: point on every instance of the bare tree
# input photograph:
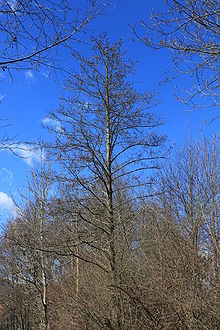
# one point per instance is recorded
(191, 189)
(190, 30)
(105, 132)
(29, 236)
(32, 31)
(211, 204)
(38, 33)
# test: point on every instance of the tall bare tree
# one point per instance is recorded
(104, 132)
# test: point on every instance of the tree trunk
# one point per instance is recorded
(110, 213)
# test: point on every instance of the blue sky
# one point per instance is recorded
(29, 96)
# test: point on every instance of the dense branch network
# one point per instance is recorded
(31, 31)
(191, 31)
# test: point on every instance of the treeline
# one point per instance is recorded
(119, 233)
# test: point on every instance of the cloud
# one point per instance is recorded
(29, 75)
(52, 123)
(28, 153)
(6, 176)
(2, 96)
(46, 74)
(6, 203)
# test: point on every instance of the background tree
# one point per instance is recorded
(39, 33)
(166, 251)
(194, 200)
(190, 29)
(31, 31)
(28, 238)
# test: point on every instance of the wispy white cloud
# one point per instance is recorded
(6, 176)
(2, 96)
(6, 203)
(55, 124)
(46, 74)
(28, 153)
(29, 75)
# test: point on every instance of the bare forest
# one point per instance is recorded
(118, 229)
